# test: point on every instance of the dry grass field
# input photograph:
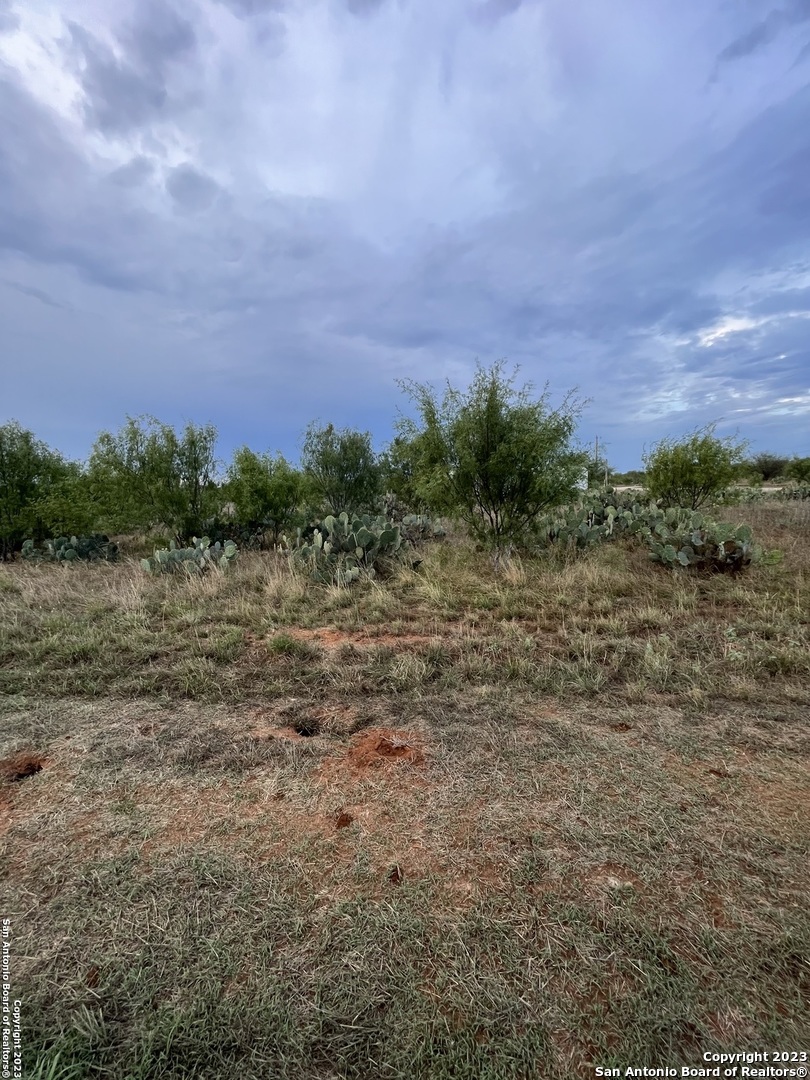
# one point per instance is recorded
(445, 825)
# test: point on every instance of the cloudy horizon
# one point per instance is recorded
(260, 213)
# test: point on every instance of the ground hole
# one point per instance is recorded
(20, 766)
(307, 728)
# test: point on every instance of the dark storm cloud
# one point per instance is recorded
(54, 212)
(409, 204)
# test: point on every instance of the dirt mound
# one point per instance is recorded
(378, 748)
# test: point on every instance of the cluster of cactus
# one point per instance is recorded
(708, 546)
(675, 536)
(72, 548)
(797, 491)
(597, 518)
(340, 550)
(202, 556)
(418, 528)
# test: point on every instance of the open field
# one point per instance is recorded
(446, 825)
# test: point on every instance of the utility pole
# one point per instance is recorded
(596, 459)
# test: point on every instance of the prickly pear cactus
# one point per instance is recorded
(67, 549)
(676, 537)
(340, 549)
(420, 528)
(203, 556)
(708, 546)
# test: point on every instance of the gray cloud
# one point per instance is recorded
(37, 294)
(364, 7)
(118, 97)
(159, 36)
(191, 189)
(135, 172)
(492, 10)
(9, 21)
(250, 8)
(125, 94)
(766, 31)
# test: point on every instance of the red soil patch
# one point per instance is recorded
(378, 751)
(378, 747)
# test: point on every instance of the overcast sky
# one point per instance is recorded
(259, 213)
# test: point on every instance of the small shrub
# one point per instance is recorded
(691, 472)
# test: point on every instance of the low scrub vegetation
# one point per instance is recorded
(363, 800)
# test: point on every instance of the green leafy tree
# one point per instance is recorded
(692, 471)
(634, 478)
(398, 473)
(765, 466)
(71, 507)
(798, 469)
(494, 457)
(599, 471)
(266, 491)
(342, 468)
(29, 470)
(147, 476)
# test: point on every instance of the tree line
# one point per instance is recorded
(493, 456)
